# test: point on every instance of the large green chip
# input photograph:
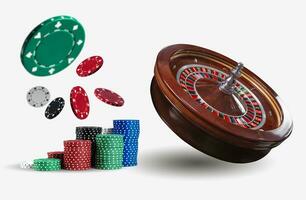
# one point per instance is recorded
(52, 46)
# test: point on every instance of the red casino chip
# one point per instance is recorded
(79, 102)
(80, 148)
(77, 143)
(75, 166)
(58, 155)
(77, 148)
(77, 161)
(77, 154)
(109, 97)
(89, 66)
(79, 151)
(78, 166)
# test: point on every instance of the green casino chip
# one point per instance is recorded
(102, 153)
(110, 137)
(52, 46)
(103, 158)
(109, 150)
(109, 167)
(109, 143)
(47, 164)
(115, 162)
(108, 160)
(46, 161)
(108, 155)
(108, 147)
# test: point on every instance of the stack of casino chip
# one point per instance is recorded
(77, 154)
(47, 164)
(130, 129)
(58, 155)
(109, 151)
(89, 133)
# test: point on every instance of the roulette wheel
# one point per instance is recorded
(217, 105)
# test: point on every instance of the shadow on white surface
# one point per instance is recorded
(16, 167)
(179, 162)
(191, 163)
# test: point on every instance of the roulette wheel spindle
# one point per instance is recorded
(217, 105)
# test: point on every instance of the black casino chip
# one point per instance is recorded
(55, 108)
(89, 133)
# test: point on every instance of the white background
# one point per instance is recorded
(268, 36)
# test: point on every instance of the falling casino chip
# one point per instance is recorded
(109, 97)
(38, 96)
(89, 66)
(55, 108)
(52, 46)
(217, 105)
(79, 102)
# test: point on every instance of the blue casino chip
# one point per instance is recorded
(126, 124)
(130, 129)
(126, 121)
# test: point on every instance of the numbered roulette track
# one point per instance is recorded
(217, 105)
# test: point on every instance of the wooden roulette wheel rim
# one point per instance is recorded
(179, 73)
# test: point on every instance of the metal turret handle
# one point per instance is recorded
(227, 86)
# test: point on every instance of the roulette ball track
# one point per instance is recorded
(217, 105)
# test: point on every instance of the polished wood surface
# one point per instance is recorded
(201, 123)
(198, 138)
